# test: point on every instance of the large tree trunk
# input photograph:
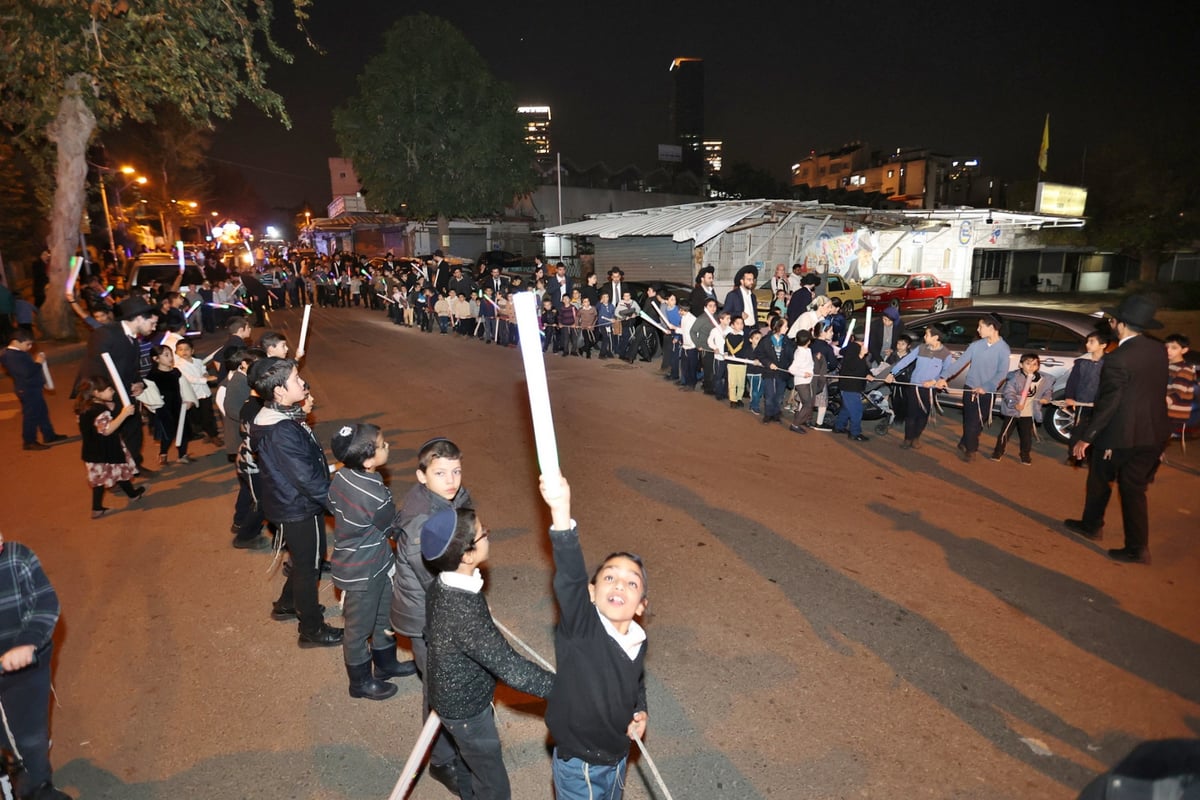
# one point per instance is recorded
(71, 131)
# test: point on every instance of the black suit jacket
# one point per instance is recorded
(1131, 406)
(875, 345)
(696, 301)
(112, 339)
(555, 292)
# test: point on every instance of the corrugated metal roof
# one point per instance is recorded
(703, 221)
(344, 222)
(696, 221)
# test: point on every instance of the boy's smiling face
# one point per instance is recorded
(619, 591)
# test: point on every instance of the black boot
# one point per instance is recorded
(388, 666)
(362, 684)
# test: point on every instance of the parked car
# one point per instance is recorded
(506, 261)
(849, 292)
(638, 289)
(1056, 337)
(164, 268)
(906, 292)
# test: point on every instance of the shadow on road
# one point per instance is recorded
(919, 652)
(1079, 613)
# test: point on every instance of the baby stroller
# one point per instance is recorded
(877, 406)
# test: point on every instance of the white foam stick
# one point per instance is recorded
(413, 765)
(867, 331)
(212, 355)
(303, 331)
(116, 378)
(73, 275)
(46, 372)
(849, 332)
(179, 427)
(179, 247)
(525, 306)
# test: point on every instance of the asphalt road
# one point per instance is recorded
(827, 619)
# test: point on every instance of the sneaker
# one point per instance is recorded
(860, 438)
(996, 456)
(1027, 461)
(184, 460)
(822, 426)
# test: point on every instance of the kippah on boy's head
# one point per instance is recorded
(355, 444)
(446, 536)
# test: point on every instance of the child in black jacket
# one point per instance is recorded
(599, 698)
(467, 652)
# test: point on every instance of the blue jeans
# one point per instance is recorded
(773, 390)
(756, 390)
(575, 779)
(478, 745)
(852, 410)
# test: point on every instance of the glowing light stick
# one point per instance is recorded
(867, 331)
(525, 306)
(179, 245)
(849, 332)
(76, 265)
(195, 305)
(116, 378)
(303, 331)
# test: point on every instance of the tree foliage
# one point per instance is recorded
(19, 218)
(431, 129)
(68, 67)
(1144, 199)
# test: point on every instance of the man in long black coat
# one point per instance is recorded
(120, 340)
(1128, 430)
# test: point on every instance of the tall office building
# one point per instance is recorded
(536, 122)
(687, 112)
(713, 156)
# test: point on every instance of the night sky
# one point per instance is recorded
(964, 79)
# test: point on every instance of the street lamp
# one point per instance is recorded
(125, 170)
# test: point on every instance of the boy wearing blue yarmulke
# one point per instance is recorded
(467, 653)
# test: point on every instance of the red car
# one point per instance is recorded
(905, 292)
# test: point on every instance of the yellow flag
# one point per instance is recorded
(1045, 151)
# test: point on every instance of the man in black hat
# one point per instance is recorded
(802, 297)
(1125, 437)
(120, 340)
(740, 301)
(704, 291)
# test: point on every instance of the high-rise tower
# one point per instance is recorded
(687, 111)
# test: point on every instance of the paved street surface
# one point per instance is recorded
(827, 619)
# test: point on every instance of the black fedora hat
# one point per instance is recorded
(135, 306)
(1137, 310)
(753, 270)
